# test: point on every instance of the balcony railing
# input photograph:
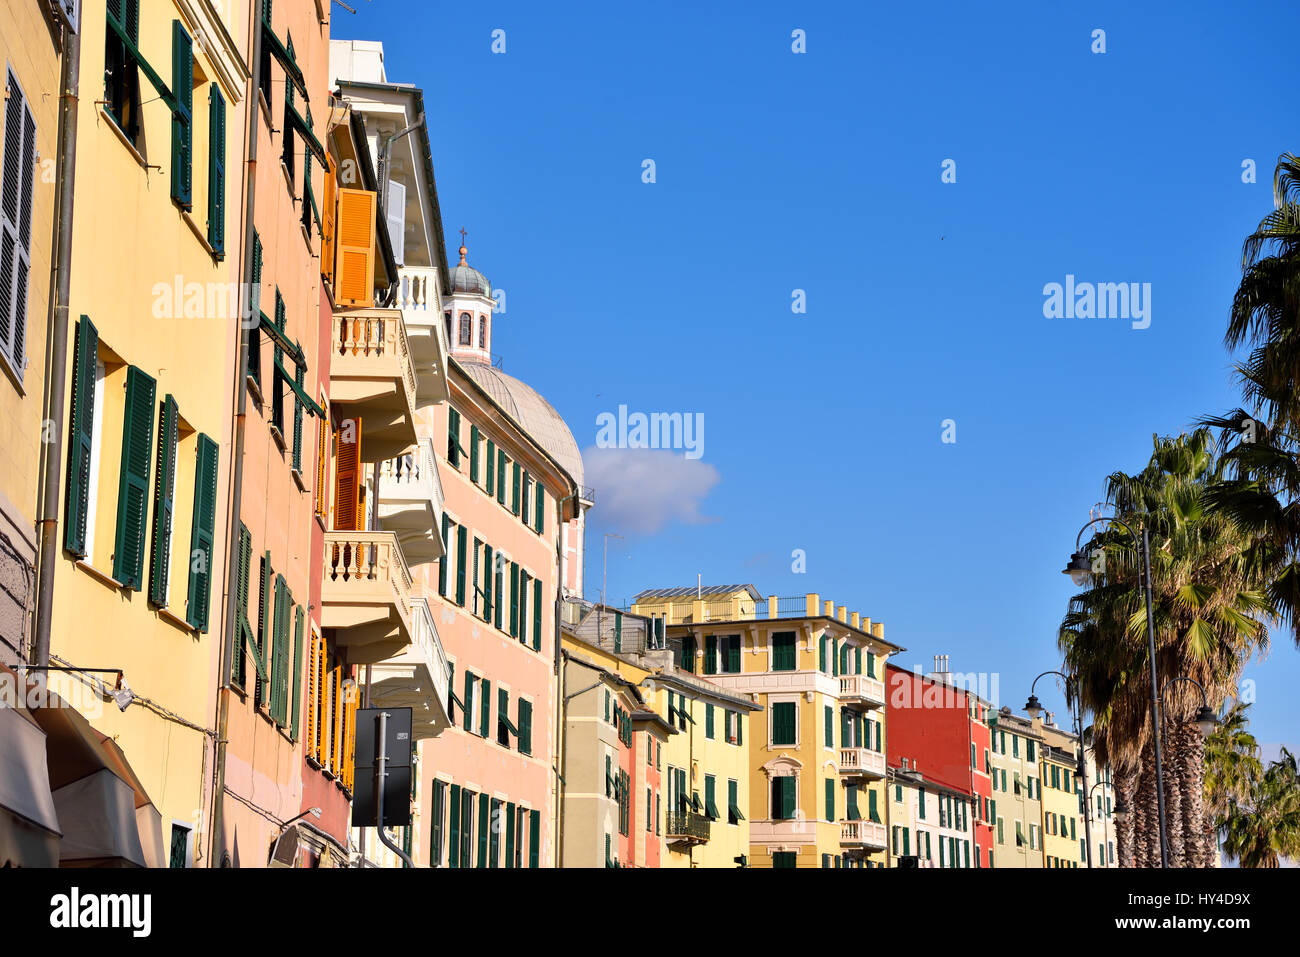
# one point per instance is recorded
(862, 834)
(862, 688)
(372, 370)
(861, 762)
(418, 678)
(687, 827)
(417, 298)
(366, 594)
(410, 502)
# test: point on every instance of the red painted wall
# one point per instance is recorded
(927, 723)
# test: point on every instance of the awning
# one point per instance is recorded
(29, 825)
(106, 818)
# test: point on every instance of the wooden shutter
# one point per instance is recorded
(514, 599)
(348, 515)
(473, 453)
(537, 614)
(467, 703)
(516, 477)
(453, 438)
(510, 834)
(501, 476)
(182, 116)
(81, 422)
(488, 570)
(133, 483)
(490, 468)
(525, 726)
(484, 707)
(484, 826)
(355, 259)
(202, 533)
(313, 691)
(539, 509)
(254, 368)
(453, 818)
(534, 837)
(446, 556)
(216, 170)
(322, 462)
(263, 638)
(329, 209)
(295, 715)
(16, 196)
(830, 799)
(500, 591)
(243, 559)
(462, 545)
(164, 504)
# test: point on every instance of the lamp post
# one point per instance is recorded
(1101, 782)
(1034, 708)
(1080, 572)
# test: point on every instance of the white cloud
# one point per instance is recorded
(642, 490)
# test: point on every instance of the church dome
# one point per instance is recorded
(466, 279)
(534, 414)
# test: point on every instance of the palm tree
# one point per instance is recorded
(1264, 826)
(1210, 608)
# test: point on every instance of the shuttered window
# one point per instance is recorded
(501, 476)
(453, 438)
(534, 838)
(446, 557)
(514, 599)
(515, 487)
(164, 503)
(462, 546)
(133, 484)
(16, 196)
(243, 560)
(81, 425)
(484, 827)
(348, 514)
(783, 651)
(783, 797)
(473, 453)
(537, 614)
(329, 224)
(122, 63)
(524, 510)
(539, 509)
(485, 708)
(299, 623)
(254, 368)
(354, 269)
(830, 799)
(710, 654)
(829, 714)
(525, 726)
(182, 116)
(490, 468)
(202, 533)
(263, 641)
(784, 717)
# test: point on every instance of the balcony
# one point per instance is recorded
(366, 595)
(418, 678)
(867, 835)
(862, 763)
(410, 503)
(372, 372)
(417, 298)
(862, 690)
(687, 827)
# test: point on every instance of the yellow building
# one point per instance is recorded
(1017, 791)
(1064, 802)
(817, 754)
(704, 774)
(145, 433)
(30, 55)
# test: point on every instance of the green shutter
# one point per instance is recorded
(164, 504)
(514, 599)
(708, 721)
(537, 614)
(183, 115)
(453, 438)
(821, 655)
(484, 707)
(534, 837)
(473, 453)
(202, 533)
(830, 799)
(488, 565)
(299, 623)
(81, 425)
(525, 726)
(216, 170)
(501, 476)
(453, 843)
(500, 590)
(829, 713)
(465, 701)
(442, 562)
(787, 797)
(526, 497)
(462, 545)
(539, 509)
(254, 359)
(484, 826)
(243, 559)
(133, 485)
(300, 380)
(490, 468)
(510, 834)
(515, 488)
(710, 654)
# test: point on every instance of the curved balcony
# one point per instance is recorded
(366, 594)
(862, 691)
(862, 834)
(418, 678)
(417, 297)
(410, 502)
(371, 372)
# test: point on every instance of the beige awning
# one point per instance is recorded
(29, 826)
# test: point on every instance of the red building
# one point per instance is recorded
(939, 728)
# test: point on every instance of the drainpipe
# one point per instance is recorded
(56, 348)
(237, 448)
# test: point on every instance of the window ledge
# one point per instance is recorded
(200, 234)
(102, 576)
(279, 437)
(14, 375)
(254, 388)
(297, 480)
(320, 521)
(121, 135)
(288, 181)
(179, 622)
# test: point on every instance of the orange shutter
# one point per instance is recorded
(313, 751)
(354, 278)
(322, 463)
(347, 478)
(328, 228)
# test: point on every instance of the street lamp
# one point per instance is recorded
(1079, 569)
(1206, 720)
(1034, 708)
(1077, 575)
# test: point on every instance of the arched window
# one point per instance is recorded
(482, 332)
(466, 329)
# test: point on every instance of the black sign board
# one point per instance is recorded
(397, 783)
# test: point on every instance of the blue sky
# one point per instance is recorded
(821, 172)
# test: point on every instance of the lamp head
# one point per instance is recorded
(1120, 811)
(1206, 721)
(1033, 707)
(1079, 569)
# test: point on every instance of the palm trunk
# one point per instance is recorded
(1125, 785)
(1147, 834)
(1174, 782)
(1192, 774)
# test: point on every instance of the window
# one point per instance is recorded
(708, 721)
(783, 798)
(784, 722)
(454, 450)
(710, 797)
(733, 802)
(16, 198)
(829, 715)
(730, 661)
(164, 504)
(122, 66)
(785, 859)
(830, 799)
(466, 330)
(784, 653)
(180, 847)
(525, 733)
(482, 332)
(133, 484)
